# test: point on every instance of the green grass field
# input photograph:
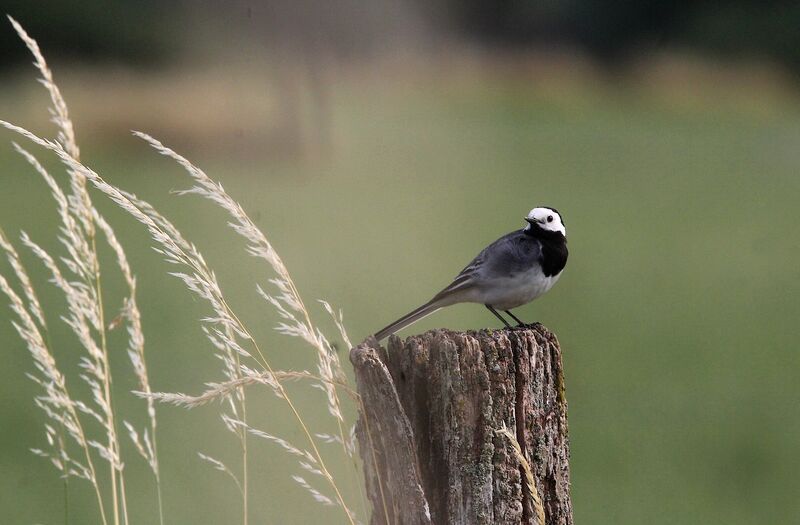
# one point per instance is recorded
(678, 311)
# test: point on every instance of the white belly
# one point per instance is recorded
(505, 293)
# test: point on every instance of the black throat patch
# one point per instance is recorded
(554, 249)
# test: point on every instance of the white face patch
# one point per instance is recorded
(548, 220)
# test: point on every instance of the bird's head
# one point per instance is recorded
(546, 219)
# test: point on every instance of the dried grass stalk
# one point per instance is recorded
(244, 362)
(533, 492)
(77, 276)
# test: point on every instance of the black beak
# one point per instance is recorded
(531, 221)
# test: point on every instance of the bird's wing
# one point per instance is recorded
(511, 253)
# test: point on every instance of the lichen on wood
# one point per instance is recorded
(431, 408)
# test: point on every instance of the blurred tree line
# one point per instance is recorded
(613, 30)
(120, 30)
(610, 30)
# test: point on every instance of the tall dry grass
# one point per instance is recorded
(84, 435)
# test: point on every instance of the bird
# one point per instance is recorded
(512, 271)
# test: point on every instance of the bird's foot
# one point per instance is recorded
(514, 317)
(533, 325)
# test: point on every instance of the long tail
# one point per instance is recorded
(410, 318)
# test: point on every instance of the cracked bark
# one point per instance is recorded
(430, 408)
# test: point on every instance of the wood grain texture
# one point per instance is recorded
(430, 407)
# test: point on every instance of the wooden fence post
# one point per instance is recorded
(431, 409)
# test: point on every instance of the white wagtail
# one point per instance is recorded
(512, 271)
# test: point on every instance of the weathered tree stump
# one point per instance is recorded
(431, 408)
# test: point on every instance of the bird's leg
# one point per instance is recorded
(491, 309)
(514, 317)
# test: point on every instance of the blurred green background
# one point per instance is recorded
(380, 146)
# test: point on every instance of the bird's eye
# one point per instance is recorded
(549, 218)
